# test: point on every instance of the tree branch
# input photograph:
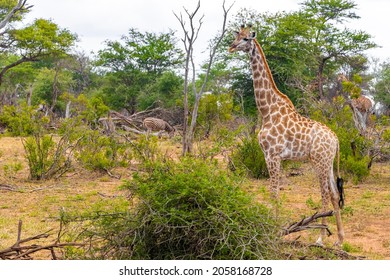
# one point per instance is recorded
(19, 7)
(305, 223)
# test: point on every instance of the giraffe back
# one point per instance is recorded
(363, 104)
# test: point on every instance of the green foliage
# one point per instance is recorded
(312, 204)
(145, 149)
(300, 45)
(45, 157)
(382, 91)
(189, 210)
(349, 248)
(6, 6)
(11, 169)
(135, 70)
(353, 147)
(43, 37)
(39, 40)
(386, 135)
(249, 158)
(213, 109)
(50, 80)
(22, 120)
(165, 91)
(150, 52)
(244, 96)
(101, 152)
(352, 87)
(356, 168)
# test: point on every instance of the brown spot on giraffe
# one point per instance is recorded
(285, 134)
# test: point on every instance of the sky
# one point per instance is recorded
(95, 21)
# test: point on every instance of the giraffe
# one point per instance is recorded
(285, 134)
(361, 106)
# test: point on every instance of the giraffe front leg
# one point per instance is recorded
(273, 165)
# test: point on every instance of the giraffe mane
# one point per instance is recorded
(282, 95)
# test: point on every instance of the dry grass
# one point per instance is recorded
(366, 215)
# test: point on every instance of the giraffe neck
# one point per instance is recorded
(266, 92)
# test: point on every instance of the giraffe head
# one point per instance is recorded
(243, 40)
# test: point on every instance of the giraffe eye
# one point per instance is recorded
(246, 39)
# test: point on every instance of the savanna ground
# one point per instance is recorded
(366, 215)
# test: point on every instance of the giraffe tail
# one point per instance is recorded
(340, 181)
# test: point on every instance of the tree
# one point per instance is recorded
(134, 63)
(330, 43)
(189, 38)
(382, 86)
(305, 49)
(32, 43)
(9, 11)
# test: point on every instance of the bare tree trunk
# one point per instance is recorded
(67, 109)
(189, 39)
(320, 84)
(29, 95)
(14, 95)
(55, 89)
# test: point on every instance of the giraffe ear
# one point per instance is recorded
(235, 33)
(253, 35)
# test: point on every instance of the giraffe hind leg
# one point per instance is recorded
(336, 195)
(324, 183)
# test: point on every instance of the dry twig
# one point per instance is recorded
(18, 251)
(305, 223)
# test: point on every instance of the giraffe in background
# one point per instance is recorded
(285, 134)
(361, 107)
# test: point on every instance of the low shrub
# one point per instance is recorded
(187, 210)
(99, 152)
(46, 157)
(249, 158)
(22, 120)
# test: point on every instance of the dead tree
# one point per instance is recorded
(189, 38)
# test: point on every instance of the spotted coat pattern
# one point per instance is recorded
(285, 134)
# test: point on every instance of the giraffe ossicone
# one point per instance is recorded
(285, 134)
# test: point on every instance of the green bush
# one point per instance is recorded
(187, 210)
(357, 169)
(101, 152)
(214, 109)
(248, 157)
(22, 120)
(46, 157)
(353, 147)
(11, 169)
